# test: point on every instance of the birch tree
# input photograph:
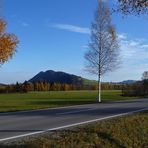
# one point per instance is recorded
(102, 54)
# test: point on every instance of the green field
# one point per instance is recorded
(36, 100)
(123, 132)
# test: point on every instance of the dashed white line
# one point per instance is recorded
(76, 111)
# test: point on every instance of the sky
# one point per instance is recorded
(54, 35)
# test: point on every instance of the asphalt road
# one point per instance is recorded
(19, 124)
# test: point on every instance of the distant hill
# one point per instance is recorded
(128, 82)
(51, 76)
(1, 84)
(60, 77)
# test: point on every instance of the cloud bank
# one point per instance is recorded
(134, 59)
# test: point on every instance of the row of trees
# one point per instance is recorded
(137, 89)
(44, 86)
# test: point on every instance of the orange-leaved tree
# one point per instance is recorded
(8, 43)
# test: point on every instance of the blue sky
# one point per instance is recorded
(54, 35)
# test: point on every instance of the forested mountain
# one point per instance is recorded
(51, 76)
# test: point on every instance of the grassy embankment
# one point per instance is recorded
(36, 100)
(124, 132)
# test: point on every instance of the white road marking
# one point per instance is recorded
(71, 125)
(76, 111)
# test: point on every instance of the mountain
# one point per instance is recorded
(60, 77)
(128, 82)
(1, 84)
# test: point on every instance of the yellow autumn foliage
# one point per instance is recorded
(8, 43)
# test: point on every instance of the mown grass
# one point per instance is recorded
(123, 132)
(36, 100)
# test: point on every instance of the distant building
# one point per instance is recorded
(145, 75)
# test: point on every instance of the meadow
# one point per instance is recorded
(38, 100)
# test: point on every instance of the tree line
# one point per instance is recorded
(139, 88)
(45, 86)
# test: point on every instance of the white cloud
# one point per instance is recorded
(24, 24)
(134, 49)
(122, 36)
(133, 43)
(134, 59)
(85, 46)
(145, 46)
(72, 28)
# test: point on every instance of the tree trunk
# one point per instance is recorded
(99, 89)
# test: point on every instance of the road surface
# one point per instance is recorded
(24, 123)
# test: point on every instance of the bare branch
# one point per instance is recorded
(102, 55)
(133, 6)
